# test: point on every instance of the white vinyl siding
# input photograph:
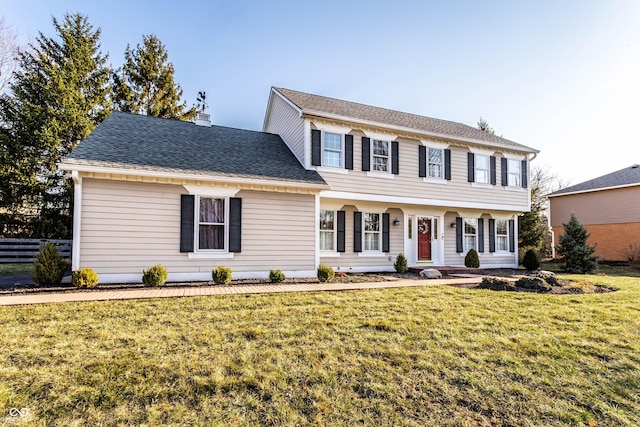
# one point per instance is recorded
(285, 121)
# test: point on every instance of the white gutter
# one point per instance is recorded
(77, 216)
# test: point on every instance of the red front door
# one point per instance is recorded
(424, 239)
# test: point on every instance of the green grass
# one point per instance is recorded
(433, 355)
(17, 268)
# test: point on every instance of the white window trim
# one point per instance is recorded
(379, 232)
(372, 156)
(440, 181)
(519, 185)
(476, 168)
(475, 246)
(335, 234)
(442, 164)
(495, 238)
(196, 231)
(385, 175)
(342, 150)
(332, 169)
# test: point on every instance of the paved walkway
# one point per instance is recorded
(142, 293)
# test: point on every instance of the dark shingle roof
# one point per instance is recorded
(314, 103)
(138, 142)
(623, 177)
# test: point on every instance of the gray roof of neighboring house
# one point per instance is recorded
(309, 103)
(624, 177)
(137, 142)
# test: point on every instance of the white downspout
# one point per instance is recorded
(77, 212)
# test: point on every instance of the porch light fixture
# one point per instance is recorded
(396, 222)
(453, 224)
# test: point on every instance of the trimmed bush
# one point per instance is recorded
(276, 276)
(155, 275)
(496, 284)
(401, 263)
(325, 273)
(84, 278)
(221, 275)
(49, 265)
(471, 260)
(531, 260)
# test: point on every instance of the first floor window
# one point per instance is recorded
(371, 231)
(380, 155)
(470, 233)
(513, 173)
(327, 230)
(211, 223)
(482, 168)
(332, 155)
(434, 163)
(502, 235)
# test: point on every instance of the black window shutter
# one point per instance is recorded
(395, 160)
(187, 215)
(471, 167)
(341, 229)
(459, 247)
(385, 232)
(492, 235)
(503, 171)
(357, 232)
(447, 164)
(235, 224)
(512, 237)
(525, 177)
(316, 148)
(492, 161)
(422, 161)
(348, 152)
(480, 234)
(366, 160)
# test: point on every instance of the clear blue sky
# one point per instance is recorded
(562, 76)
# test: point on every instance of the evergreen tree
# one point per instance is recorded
(58, 96)
(145, 84)
(483, 125)
(574, 250)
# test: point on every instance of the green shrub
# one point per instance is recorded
(155, 275)
(531, 260)
(221, 275)
(325, 273)
(496, 284)
(533, 283)
(85, 278)
(547, 276)
(577, 254)
(401, 263)
(472, 260)
(49, 265)
(276, 276)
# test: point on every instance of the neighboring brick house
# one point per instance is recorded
(327, 181)
(608, 207)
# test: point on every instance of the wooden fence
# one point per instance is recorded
(25, 250)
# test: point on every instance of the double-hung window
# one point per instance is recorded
(327, 231)
(513, 173)
(502, 235)
(482, 168)
(371, 231)
(211, 224)
(435, 161)
(470, 233)
(332, 150)
(380, 156)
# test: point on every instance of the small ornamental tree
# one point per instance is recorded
(573, 248)
(49, 265)
(471, 260)
(531, 261)
(401, 263)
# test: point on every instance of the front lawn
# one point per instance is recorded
(17, 268)
(434, 355)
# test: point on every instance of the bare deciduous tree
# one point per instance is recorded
(8, 53)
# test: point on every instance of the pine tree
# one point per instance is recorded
(145, 84)
(58, 96)
(573, 248)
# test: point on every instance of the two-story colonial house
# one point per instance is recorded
(326, 181)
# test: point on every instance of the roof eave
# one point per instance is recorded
(521, 148)
(118, 170)
(593, 190)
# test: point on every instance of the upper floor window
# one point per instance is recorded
(502, 235)
(332, 150)
(372, 233)
(435, 163)
(513, 173)
(380, 156)
(470, 233)
(327, 230)
(211, 224)
(482, 168)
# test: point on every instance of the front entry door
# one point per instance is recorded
(424, 239)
